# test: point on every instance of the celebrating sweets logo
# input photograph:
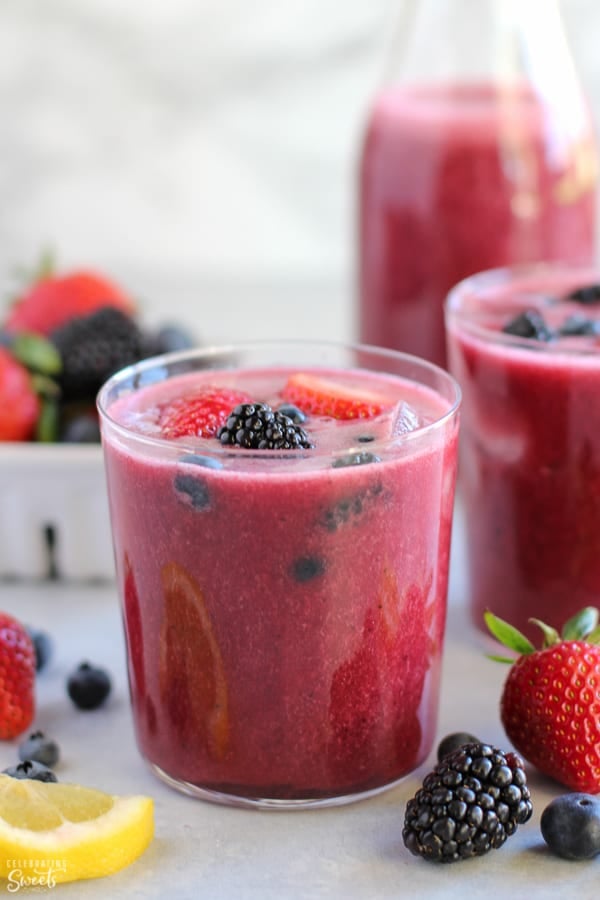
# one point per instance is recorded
(33, 872)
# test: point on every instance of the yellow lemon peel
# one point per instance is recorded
(78, 832)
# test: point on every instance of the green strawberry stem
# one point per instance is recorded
(47, 426)
(551, 635)
(508, 635)
(581, 625)
(36, 353)
(584, 626)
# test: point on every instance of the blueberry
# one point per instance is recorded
(196, 459)
(587, 295)
(82, 429)
(30, 768)
(167, 339)
(42, 644)
(193, 491)
(355, 459)
(307, 567)
(349, 508)
(453, 742)
(528, 324)
(293, 413)
(576, 326)
(39, 748)
(88, 686)
(570, 826)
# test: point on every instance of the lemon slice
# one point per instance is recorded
(65, 832)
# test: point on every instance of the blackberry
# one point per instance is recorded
(258, 427)
(528, 324)
(92, 348)
(469, 804)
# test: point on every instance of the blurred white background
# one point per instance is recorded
(203, 152)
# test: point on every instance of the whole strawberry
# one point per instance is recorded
(550, 705)
(17, 678)
(54, 299)
(19, 404)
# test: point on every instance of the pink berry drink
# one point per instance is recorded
(455, 180)
(284, 608)
(524, 344)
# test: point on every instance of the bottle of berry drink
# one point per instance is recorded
(478, 152)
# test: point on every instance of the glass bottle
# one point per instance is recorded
(479, 152)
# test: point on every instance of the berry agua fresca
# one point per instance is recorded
(455, 179)
(282, 537)
(524, 344)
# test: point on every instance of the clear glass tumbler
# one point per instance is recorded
(524, 344)
(284, 609)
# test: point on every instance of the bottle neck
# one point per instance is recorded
(478, 41)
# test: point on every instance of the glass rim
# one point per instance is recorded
(479, 286)
(215, 351)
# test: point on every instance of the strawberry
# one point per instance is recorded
(199, 414)
(550, 705)
(19, 404)
(17, 678)
(54, 300)
(319, 396)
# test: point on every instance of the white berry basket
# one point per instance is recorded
(54, 512)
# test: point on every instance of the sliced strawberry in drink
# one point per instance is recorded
(321, 396)
(199, 414)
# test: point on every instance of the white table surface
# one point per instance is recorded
(203, 850)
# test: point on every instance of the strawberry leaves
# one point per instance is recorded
(43, 362)
(584, 626)
(509, 636)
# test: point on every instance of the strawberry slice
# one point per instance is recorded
(199, 414)
(318, 396)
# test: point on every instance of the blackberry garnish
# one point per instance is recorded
(94, 347)
(528, 324)
(587, 295)
(469, 804)
(256, 426)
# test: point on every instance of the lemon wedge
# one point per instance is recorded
(53, 832)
